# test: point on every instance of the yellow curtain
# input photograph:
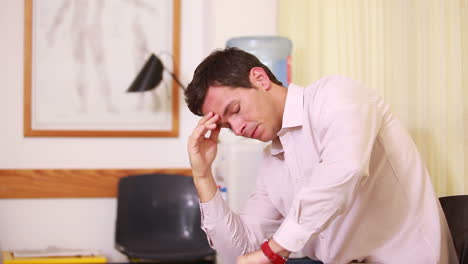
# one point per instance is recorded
(414, 52)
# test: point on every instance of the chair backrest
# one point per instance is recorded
(158, 218)
(456, 212)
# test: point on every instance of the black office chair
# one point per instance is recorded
(456, 211)
(158, 219)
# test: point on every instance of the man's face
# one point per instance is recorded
(248, 112)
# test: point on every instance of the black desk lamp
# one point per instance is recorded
(151, 76)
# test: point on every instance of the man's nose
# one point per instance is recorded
(237, 126)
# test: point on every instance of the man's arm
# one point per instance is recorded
(202, 152)
(231, 234)
(347, 119)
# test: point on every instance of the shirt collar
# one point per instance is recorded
(292, 116)
(293, 108)
(276, 147)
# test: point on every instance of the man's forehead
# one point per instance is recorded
(216, 100)
(217, 108)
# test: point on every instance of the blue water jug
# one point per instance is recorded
(273, 51)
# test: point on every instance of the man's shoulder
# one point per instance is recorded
(337, 89)
(333, 81)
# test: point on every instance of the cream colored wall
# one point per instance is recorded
(415, 53)
(89, 223)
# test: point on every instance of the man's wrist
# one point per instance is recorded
(278, 249)
(201, 173)
(274, 257)
(206, 187)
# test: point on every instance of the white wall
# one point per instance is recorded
(89, 223)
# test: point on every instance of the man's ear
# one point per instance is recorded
(259, 78)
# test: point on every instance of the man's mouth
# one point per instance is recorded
(253, 132)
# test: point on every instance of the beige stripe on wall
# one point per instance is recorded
(414, 52)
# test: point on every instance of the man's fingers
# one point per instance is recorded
(215, 134)
(212, 120)
(205, 118)
(208, 119)
(200, 131)
(206, 123)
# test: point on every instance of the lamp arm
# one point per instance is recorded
(176, 79)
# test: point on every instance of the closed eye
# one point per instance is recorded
(236, 109)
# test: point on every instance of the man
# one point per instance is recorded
(342, 181)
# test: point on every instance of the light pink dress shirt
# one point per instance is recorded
(342, 182)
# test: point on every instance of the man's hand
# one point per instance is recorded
(260, 258)
(278, 249)
(256, 257)
(202, 150)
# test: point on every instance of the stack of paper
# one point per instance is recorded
(52, 255)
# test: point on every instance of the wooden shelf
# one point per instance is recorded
(68, 183)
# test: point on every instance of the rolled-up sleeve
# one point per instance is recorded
(347, 127)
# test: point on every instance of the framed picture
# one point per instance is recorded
(81, 56)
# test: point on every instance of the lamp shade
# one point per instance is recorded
(149, 77)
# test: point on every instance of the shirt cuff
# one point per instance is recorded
(291, 235)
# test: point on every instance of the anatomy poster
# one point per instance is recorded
(84, 54)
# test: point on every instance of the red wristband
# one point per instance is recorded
(272, 256)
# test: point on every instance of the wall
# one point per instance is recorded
(414, 53)
(89, 223)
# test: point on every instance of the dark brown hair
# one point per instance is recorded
(228, 67)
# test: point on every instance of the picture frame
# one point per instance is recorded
(80, 57)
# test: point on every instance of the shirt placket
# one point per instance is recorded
(291, 156)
